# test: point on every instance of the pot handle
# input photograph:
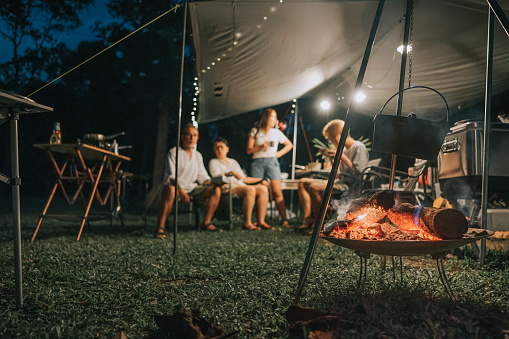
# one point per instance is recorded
(413, 87)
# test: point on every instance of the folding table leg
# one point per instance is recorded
(92, 195)
(45, 210)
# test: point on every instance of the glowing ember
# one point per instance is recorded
(377, 223)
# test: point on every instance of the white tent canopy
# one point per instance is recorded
(252, 54)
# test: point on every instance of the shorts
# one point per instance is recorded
(226, 188)
(266, 168)
(338, 186)
(198, 193)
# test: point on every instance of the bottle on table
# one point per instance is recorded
(56, 136)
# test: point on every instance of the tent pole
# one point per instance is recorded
(346, 129)
(487, 129)
(294, 150)
(402, 74)
(175, 214)
(295, 126)
(497, 10)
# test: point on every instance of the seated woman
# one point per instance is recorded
(249, 189)
(353, 161)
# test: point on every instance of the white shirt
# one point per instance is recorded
(218, 168)
(191, 170)
(359, 156)
(274, 135)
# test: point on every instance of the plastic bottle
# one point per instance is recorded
(56, 136)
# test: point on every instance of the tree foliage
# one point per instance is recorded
(32, 27)
(132, 87)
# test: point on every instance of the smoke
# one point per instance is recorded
(337, 211)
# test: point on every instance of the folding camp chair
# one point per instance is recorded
(374, 176)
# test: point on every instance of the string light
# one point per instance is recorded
(195, 103)
(238, 35)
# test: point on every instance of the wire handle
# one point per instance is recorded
(414, 87)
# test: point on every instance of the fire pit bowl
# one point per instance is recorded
(409, 247)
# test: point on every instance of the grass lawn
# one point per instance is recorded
(116, 280)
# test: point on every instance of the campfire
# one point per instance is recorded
(378, 217)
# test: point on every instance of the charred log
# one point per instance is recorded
(384, 199)
(445, 223)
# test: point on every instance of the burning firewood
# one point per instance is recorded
(446, 223)
(372, 209)
(384, 199)
(378, 218)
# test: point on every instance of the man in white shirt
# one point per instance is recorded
(193, 181)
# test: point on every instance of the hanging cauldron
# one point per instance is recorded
(409, 136)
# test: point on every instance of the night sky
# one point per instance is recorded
(96, 12)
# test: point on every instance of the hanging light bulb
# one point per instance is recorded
(408, 50)
(360, 97)
(325, 105)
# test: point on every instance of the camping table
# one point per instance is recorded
(313, 174)
(88, 165)
(11, 107)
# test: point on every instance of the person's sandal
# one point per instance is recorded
(303, 227)
(285, 224)
(265, 227)
(306, 225)
(210, 228)
(250, 227)
(159, 234)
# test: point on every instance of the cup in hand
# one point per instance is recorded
(271, 143)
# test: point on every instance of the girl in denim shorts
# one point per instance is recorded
(262, 143)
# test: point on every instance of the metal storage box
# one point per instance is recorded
(461, 154)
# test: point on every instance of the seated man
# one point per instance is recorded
(254, 191)
(193, 181)
(353, 161)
